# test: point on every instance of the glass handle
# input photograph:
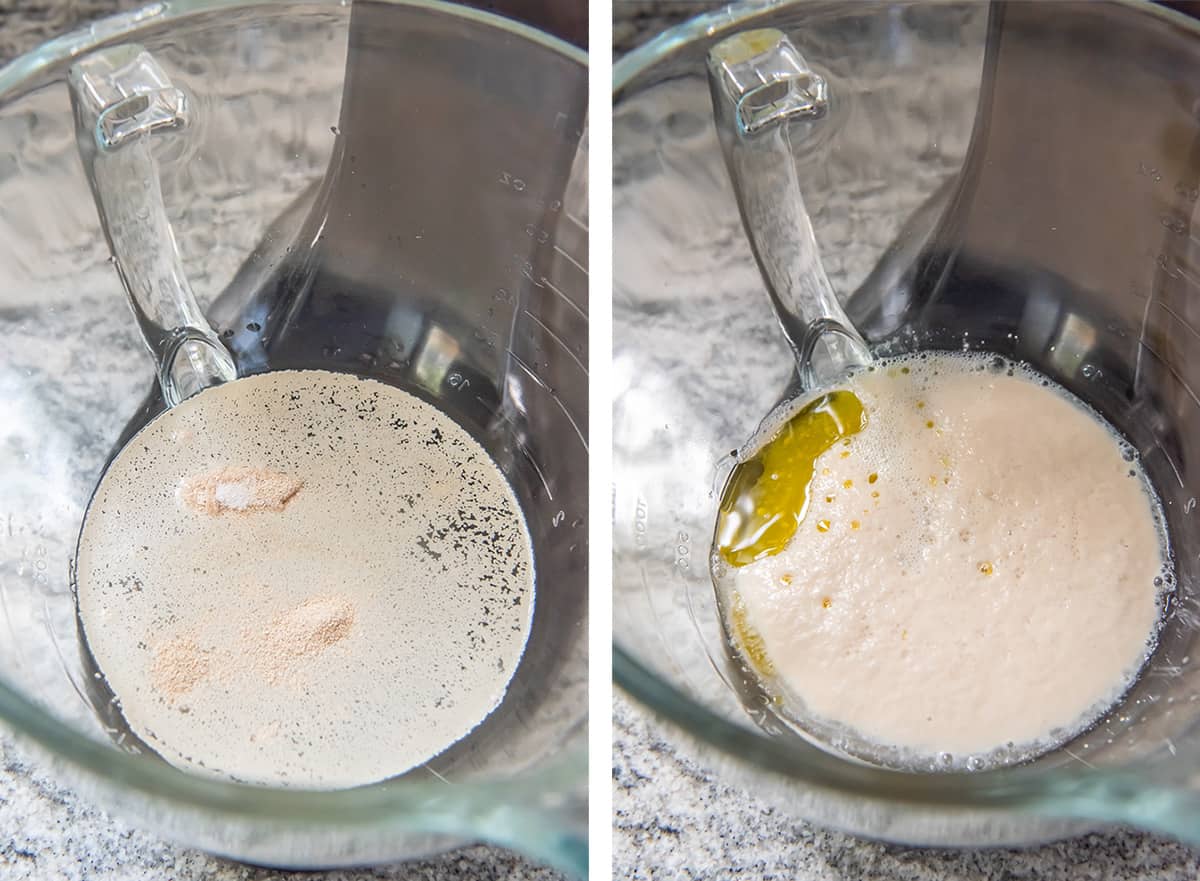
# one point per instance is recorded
(766, 101)
(122, 100)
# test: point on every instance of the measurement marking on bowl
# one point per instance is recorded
(572, 261)
(641, 522)
(557, 339)
(545, 282)
(554, 397)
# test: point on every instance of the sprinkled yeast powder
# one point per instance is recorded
(304, 578)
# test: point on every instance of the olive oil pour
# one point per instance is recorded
(766, 496)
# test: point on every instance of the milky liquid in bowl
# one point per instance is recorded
(944, 562)
(304, 578)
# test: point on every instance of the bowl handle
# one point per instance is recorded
(122, 100)
(766, 102)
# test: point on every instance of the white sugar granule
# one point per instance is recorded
(239, 489)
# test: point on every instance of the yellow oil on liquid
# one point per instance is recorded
(767, 496)
(749, 639)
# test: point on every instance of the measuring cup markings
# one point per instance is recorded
(556, 338)
(538, 471)
(571, 260)
(8, 621)
(533, 375)
(1162, 304)
(697, 615)
(641, 518)
(1143, 344)
(61, 656)
(514, 183)
(660, 630)
(545, 282)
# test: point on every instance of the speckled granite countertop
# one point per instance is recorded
(674, 819)
(47, 831)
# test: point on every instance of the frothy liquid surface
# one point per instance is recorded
(304, 578)
(975, 568)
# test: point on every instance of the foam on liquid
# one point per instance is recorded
(331, 637)
(963, 564)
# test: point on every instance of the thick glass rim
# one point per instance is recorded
(120, 26)
(501, 810)
(1105, 794)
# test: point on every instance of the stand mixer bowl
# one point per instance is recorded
(395, 190)
(1015, 178)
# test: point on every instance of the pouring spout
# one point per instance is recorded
(765, 99)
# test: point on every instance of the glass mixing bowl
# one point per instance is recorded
(1018, 178)
(396, 190)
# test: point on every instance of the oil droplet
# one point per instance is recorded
(822, 526)
(847, 484)
(786, 578)
(933, 480)
(905, 371)
(845, 454)
(875, 494)
(748, 639)
(872, 477)
(920, 405)
(777, 479)
(985, 568)
(854, 524)
(826, 602)
(829, 500)
(929, 424)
